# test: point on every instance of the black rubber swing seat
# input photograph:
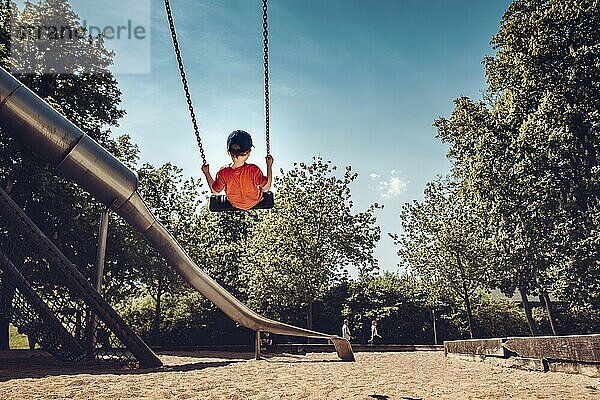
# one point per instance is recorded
(219, 202)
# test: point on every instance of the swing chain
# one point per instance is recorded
(184, 80)
(266, 65)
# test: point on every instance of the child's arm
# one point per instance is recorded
(269, 160)
(209, 178)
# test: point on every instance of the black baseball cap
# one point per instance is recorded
(242, 139)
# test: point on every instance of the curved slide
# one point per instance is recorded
(41, 128)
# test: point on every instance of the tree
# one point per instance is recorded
(482, 167)
(91, 100)
(397, 302)
(545, 76)
(222, 245)
(216, 241)
(531, 154)
(443, 241)
(175, 203)
(304, 244)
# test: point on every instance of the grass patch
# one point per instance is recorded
(17, 340)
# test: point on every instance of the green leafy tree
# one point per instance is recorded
(397, 303)
(545, 77)
(530, 156)
(7, 8)
(444, 242)
(498, 317)
(481, 164)
(60, 208)
(221, 244)
(92, 101)
(174, 202)
(217, 242)
(298, 249)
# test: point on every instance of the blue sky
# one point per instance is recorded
(357, 82)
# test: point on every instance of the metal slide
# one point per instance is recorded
(41, 128)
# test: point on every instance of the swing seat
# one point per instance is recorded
(219, 203)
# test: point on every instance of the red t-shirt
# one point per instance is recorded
(243, 185)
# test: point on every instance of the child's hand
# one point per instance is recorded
(269, 160)
(206, 169)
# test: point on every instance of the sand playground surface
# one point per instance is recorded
(235, 376)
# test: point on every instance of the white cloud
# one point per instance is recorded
(392, 186)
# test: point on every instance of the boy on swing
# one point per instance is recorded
(243, 182)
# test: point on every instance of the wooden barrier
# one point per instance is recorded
(483, 347)
(570, 354)
(580, 348)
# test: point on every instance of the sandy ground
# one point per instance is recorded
(216, 376)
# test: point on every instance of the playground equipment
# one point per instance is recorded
(65, 147)
(219, 203)
(51, 301)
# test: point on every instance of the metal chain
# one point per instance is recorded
(266, 64)
(184, 81)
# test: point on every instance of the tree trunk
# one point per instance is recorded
(4, 335)
(157, 315)
(309, 315)
(469, 315)
(466, 297)
(527, 308)
(6, 297)
(547, 303)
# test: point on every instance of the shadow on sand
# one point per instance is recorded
(294, 359)
(40, 365)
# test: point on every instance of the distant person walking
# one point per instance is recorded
(374, 334)
(346, 330)
(266, 341)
